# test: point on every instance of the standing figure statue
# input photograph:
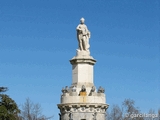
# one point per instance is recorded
(83, 35)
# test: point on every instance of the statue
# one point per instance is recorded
(65, 90)
(93, 89)
(83, 35)
(74, 89)
(83, 89)
(101, 90)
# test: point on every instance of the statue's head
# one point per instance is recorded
(82, 20)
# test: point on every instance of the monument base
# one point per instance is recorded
(82, 101)
(83, 111)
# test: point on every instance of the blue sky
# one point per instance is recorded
(38, 38)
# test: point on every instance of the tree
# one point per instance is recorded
(3, 89)
(31, 111)
(8, 108)
(128, 106)
(131, 110)
(159, 114)
(151, 111)
(116, 113)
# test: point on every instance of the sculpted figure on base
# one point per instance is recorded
(83, 35)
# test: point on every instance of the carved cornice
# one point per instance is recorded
(64, 108)
(82, 60)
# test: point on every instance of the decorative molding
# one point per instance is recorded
(74, 108)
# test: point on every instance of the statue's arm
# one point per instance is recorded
(88, 32)
(78, 27)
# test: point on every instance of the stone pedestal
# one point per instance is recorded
(82, 70)
(83, 111)
(83, 103)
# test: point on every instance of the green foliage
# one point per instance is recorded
(8, 108)
(3, 89)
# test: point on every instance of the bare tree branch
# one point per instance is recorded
(31, 111)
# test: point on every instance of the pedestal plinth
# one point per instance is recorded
(82, 69)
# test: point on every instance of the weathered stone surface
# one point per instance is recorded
(83, 111)
(82, 101)
(82, 72)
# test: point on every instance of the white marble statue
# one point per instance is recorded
(83, 35)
